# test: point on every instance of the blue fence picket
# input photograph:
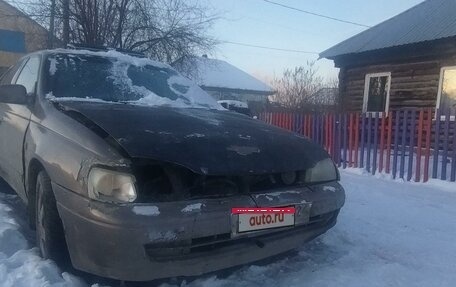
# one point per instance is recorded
(300, 123)
(363, 138)
(396, 143)
(374, 160)
(443, 175)
(435, 161)
(411, 145)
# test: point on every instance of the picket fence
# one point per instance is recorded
(413, 144)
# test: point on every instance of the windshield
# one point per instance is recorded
(116, 77)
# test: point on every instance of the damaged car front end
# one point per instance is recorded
(190, 230)
(145, 187)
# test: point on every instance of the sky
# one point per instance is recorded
(260, 23)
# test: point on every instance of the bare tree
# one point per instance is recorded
(301, 88)
(165, 30)
(296, 88)
(333, 84)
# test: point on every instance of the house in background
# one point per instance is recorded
(224, 81)
(406, 61)
(19, 34)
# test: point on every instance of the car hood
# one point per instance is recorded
(212, 142)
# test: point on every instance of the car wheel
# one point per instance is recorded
(50, 236)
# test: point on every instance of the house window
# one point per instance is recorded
(446, 97)
(376, 92)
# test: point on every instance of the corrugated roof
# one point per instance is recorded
(427, 21)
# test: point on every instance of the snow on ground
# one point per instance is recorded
(390, 233)
(20, 263)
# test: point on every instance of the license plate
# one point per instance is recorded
(261, 221)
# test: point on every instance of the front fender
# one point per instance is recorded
(68, 160)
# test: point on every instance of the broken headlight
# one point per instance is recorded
(324, 170)
(111, 186)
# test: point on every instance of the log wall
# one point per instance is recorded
(413, 84)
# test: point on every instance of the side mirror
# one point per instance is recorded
(13, 94)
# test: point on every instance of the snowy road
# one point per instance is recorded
(388, 234)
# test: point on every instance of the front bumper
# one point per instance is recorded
(141, 242)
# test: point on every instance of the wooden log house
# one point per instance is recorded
(408, 61)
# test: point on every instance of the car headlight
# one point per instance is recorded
(324, 170)
(111, 186)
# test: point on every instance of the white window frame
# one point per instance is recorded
(366, 90)
(439, 92)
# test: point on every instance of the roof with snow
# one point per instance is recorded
(427, 21)
(218, 74)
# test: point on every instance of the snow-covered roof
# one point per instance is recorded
(213, 73)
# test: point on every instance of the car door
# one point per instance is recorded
(6, 79)
(13, 125)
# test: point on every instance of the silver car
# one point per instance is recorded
(131, 171)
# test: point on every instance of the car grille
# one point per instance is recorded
(166, 183)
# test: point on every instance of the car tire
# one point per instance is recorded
(50, 236)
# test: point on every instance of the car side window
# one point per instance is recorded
(8, 76)
(29, 74)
